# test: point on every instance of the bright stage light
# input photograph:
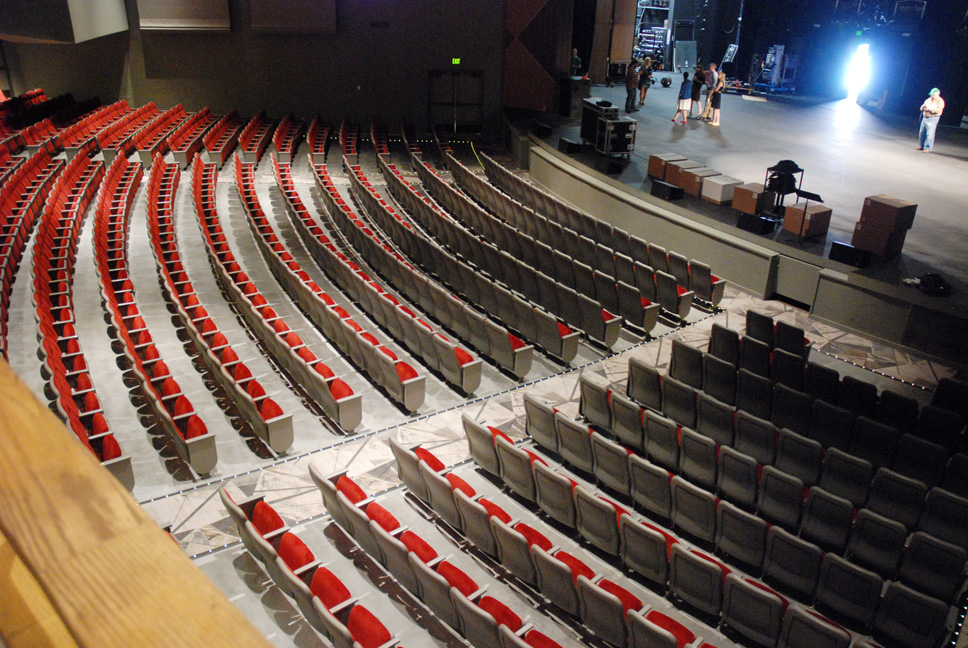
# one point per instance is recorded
(859, 71)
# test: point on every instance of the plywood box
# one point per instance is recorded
(752, 198)
(887, 212)
(814, 218)
(692, 179)
(719, 189)
(657, 164)
(674, 170)
(877, 240)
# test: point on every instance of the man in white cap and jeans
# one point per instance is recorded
(931, 111)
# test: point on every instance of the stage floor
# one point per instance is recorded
(847, 152)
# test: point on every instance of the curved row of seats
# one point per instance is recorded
(324, 600)
(454, 363)
(534, 324)
(40, 133)
(152, 139)
(64, 363)
(378, 361)
(188, 138)
(330, 392)
(486, 335)
(263, 415)
(380, 140)
(220, 140)
(8, 163)
(76, 135)
(170, 408)
(450, 593)
(349, 138)
(286, 138)
(116, 137)
(690, 274)
(317, 139)
(606, 607)
(565, 266)
(22, 199)
(573, 307)
(724, 594)
(255, 137)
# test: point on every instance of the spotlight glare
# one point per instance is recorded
(859, 70)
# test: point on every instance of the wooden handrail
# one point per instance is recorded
(110, 574)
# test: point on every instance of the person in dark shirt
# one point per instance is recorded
(698, 81)
(685, 98)
(631, 87)
(645, 79)
(575, 63)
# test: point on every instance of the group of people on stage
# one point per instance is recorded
(690, 94)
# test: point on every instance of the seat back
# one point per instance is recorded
(715, 419)
(741, 536)
(876, 542)
(611, 464)
(693, 510)
(434, 591)
(792, 563)
(724, 344)
(719, 379)
(555, 580)
(697, 458)
(513, 551)
(679, 402)
(944, 516)
(686, 364)
(846, 476)
(753, 611)
(540, 422)
(476, 523)
(781, 498)
(737, 477)
(574, 442)
(597, 521)
(933, 566)
(803, 628)
(602, 612)
(909, 618)
(897, 497)
(848, 590)
(798, 456)
(553, 492)
(755, 437)
(628, 423)
(644, 384)
(480, 442)
(826, 519)
(515, 468)
(792, 409)
(662, 440)
(696, 579)
(645, 550)
(651, 487)
(441, 496)
(593, 403)
(408, 469)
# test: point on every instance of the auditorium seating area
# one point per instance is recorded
(522, 426)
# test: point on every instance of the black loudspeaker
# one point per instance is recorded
(850, 255)
(755, 224)
(666, 191)
(566, 145)
(541, 129)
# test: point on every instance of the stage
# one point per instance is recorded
(848, 153)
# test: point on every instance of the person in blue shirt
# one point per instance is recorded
(685, 98)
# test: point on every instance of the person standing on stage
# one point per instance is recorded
(575, 63)
(631, 87)
(712, 78)
(685, 98)
(716, 98)
(931, 111)
(645, 79)
(698, 81)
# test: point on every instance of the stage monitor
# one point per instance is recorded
(305, 16)
(184, 15)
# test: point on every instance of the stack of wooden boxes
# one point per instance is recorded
(884, 222)
(807, 219)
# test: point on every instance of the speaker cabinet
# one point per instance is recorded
(566, 145)
(666, 191)
(850, 255)
(755, 224)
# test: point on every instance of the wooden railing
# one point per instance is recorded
(82, 564)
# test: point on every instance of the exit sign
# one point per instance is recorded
(455, 61)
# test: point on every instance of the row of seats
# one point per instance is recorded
(873, 435)
(514, 248)
(450, 593)
(317, 137)
(116, 136)
(22, 199)
(702, 582)
(255, 137)
(64, 363)
(485, 334)
(547, 236)
(606, 607)
(690, 274)
(535, 324)
(873, 537)
(263, 415)
(38, 134)
(311, 374)
(380, 139)
(8, 163)
(152, 140)
(561, 300)
(324, 600)
(170, 407)
(286, 138)
(378, 361)
(411, 142)
(187, 139)
(457, 365)
(75, 135)
(221, 139)
(349, 137)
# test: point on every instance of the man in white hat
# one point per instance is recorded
(931, 111)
